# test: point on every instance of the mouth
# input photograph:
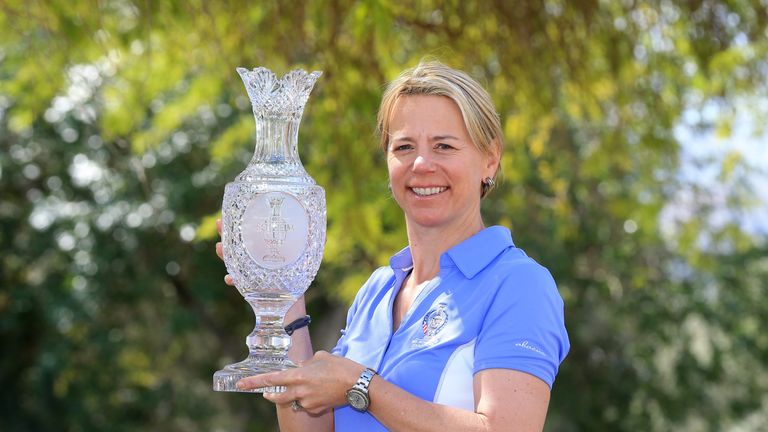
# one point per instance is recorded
(428, 191)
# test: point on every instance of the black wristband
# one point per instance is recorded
(297, 324)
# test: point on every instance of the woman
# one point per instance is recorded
(462, 331)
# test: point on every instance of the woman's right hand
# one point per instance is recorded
(220, 252)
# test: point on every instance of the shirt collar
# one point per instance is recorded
(470, 256)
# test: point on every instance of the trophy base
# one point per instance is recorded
(226, 379)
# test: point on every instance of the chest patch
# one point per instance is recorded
(434, 321)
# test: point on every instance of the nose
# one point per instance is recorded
(423, 163)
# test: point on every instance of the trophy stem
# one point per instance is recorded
(268, 338)
(268, 345)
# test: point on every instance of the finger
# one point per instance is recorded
(258, 381)
(229, 281)
(218, 226)
(220, 250)
(272, 379)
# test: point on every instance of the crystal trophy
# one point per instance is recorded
(273, 223)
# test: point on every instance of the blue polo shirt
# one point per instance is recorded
(490, 306)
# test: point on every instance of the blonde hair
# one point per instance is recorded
(433, 78)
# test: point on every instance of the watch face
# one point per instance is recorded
(357, 399)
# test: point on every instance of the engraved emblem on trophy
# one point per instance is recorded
(273, 222)
(275, 229)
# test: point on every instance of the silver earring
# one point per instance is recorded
(486, 185)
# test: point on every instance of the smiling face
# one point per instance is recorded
(435, 169)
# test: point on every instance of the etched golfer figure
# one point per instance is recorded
(275, 229)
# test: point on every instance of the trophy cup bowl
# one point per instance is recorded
(273, 223)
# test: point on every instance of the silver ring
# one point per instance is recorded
(296, 406)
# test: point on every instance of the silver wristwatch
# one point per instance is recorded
(357, 396)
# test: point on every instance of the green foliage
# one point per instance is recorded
(120, 123)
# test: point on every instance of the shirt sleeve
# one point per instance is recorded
(524, 326)
(340, 348)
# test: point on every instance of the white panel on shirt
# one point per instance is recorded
(455, 387)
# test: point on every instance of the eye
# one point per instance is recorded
(444, 146)
(401, 147)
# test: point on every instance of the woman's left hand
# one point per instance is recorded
(318, 385)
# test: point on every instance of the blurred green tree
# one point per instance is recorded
(121, 121)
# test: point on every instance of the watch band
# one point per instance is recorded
(365, 380)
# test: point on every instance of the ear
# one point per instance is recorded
(493, 159)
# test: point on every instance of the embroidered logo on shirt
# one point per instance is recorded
(526, 345)
(434, 321)
(432, 324)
